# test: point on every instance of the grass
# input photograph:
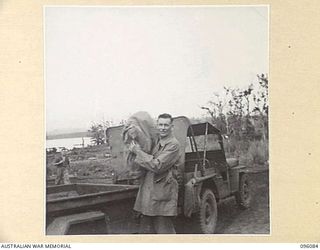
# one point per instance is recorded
(90, 161)
(251, 153)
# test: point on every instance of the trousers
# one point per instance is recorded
(62, 176)
(156, 224)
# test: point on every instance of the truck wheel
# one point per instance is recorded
(206, 217)
(243, 196)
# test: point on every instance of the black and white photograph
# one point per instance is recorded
(156, 120)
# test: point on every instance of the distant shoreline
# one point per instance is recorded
(68, 135)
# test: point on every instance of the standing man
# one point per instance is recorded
(62, 163)
(158, 193)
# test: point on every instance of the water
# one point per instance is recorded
(68, 143)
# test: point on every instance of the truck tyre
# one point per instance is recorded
(243, 196)
(206, 217)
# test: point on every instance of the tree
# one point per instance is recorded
(232, 111)
(261, 98)
(217, 109)
(97, 133)
(261, 107)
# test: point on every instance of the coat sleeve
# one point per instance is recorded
(162, 162)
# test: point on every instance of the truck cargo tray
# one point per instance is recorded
(73, 196)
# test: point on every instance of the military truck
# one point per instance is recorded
(205, 175)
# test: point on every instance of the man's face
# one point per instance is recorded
(164, 126)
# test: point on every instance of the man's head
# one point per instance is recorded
(165, 125)
(64, 152)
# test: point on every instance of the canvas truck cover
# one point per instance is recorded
(119, 150)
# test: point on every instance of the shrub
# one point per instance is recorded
(258, 152)
(250, 153)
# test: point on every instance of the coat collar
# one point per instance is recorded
(165, 141)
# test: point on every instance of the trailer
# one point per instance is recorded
(90, 209)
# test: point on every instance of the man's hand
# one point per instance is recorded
(133, 147)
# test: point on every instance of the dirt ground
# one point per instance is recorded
(254, 220)
(233, 220)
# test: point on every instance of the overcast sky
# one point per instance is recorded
(110, 62)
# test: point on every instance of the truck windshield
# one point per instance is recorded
(212, 143)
